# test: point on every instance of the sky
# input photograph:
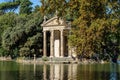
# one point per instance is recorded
(35, 2)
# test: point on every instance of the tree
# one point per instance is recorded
(6, 20)
(36, 9)
(9, 6)
(113, 8)
(25, 37)
(49, 7)
(95, 27)
(25, 7)
(95, 32)
(20, 34)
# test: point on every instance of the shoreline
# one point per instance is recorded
(59, 62)
(42, 61)
(6, 59)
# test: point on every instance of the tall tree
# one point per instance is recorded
(25, 7)
(49, 7)
(25, 37)
(95, 32)
(9, 6)
(95, 29)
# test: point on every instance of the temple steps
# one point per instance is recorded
(60, 59)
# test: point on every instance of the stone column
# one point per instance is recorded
(52, 43)
(44, 44)
(69, 47)
(69, 51)
(62, 38)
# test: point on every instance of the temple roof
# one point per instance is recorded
(55, 21)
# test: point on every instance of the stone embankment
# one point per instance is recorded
(5, 59)
(48, 60)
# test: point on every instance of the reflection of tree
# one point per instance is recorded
(8, 71)
(30, 72)
(84, 72)
(113, 73)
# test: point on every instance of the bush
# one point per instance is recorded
(3, 52)
(15, 53)
(44, 58)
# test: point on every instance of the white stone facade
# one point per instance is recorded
(59, 30)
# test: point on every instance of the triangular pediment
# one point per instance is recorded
(55, 21)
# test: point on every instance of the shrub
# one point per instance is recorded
(44, 58)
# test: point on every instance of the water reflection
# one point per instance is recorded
(113, 72)
(15, 71)
(60, 72)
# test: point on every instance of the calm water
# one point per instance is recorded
(16, 71)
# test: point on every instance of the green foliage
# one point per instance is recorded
(94, 32)
(1, 12)
(24, 51)
(26, 36)
(113, 8)
(3, 52)
(20, 34)
(44, 58)
(9, 5)
(7, 20)
(15, 53)
(25, 7)
(49, 7)
(37, 8)
(95, 25)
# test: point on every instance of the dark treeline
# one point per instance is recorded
(20, 32)
(95, 27)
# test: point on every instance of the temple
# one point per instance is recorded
(58, 30)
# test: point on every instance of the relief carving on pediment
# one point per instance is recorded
(54, 21)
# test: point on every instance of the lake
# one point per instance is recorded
(15, 71)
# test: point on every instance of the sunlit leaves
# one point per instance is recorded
(94, 31)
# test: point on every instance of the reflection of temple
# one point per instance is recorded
(58, 29)
(60, 72)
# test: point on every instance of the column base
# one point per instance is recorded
(44, 56)
(69, 56)
(61, 56)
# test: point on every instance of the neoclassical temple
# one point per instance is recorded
(59, 30)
